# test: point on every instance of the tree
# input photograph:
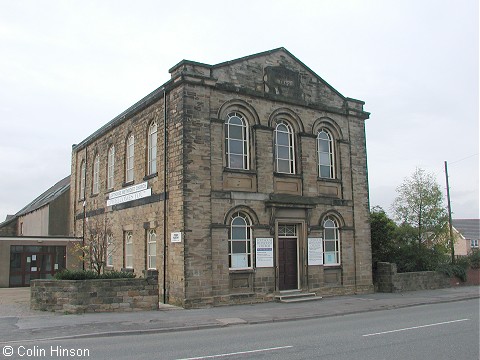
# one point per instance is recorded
(98, 244)
(419, 204)
(383, 236)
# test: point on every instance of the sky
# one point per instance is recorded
(69, 67)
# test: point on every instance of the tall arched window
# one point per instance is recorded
(240, 242)
(128, 246)
(129, 158)
(152, 249)
(152, 148)
(96, 175)
(284, 148)
(326, 161)
(331, 242)
(111, 167)
(83, 175)
(236, 142)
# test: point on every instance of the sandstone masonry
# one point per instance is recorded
(258, 150)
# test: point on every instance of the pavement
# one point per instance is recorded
(19, 324)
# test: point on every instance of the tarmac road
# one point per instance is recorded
(19, 323)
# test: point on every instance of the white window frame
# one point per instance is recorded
(244, 259)
(152, 148)
(96, 175)
(152, 249)
(129, 249)
(330, 153)
(328, 241)
(111, 167)
(130, 159)
(474, 244)
(109, 251)
(83, 177)
(290, 147)
(244, 140)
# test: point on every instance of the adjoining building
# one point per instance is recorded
(235, 181)
(466, 235)
(34, 243)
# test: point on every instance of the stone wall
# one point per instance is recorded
(388, 280)
(105, 295)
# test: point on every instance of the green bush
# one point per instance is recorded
(451, 270)
(474, 259)
(89, 274)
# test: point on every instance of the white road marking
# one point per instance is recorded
(415, 327)
(237, 353)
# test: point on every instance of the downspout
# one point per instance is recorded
(164, 196)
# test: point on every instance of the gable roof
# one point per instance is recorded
(469, 228)
(47, 197)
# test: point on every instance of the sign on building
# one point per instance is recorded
(315, 251)
(264, 252)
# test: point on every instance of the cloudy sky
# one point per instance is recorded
(68, 67)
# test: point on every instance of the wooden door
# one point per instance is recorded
(287, 264)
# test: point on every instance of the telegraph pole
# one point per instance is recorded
(452, 243)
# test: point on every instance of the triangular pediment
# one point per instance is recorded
(278, 74)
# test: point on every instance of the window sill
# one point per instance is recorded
(286, 175)
(329, 180)
(241, 271)
(239, 171)
(151, 176)
(128, 183)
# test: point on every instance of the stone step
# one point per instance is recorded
(296, 296)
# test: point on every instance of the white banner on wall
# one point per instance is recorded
(315, 251)
(264, 252)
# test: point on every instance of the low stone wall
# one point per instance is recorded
(99, 295)
(388, 280)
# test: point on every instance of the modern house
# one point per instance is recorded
(466, 234)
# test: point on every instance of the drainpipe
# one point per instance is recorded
(165, 196)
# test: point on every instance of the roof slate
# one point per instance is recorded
(469, 228)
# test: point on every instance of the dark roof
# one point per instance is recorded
(47, 197)
(469, 228)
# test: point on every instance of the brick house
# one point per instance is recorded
(236, 181)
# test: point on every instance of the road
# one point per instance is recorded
(439, 331)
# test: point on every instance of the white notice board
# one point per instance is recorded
(315, 251)
(264, 252)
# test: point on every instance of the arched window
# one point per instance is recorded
(326, 161)
(96, 175)
(129, 158)
(284, 148)
(152, 249)
(128, 246)
(152, 148)
(240, 242)
(331, 242)
(111, 167)
(83, 175)
(236, 142)
(109, 250)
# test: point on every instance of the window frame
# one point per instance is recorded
(130, 159)
(83, 179)
(109, 251)
(151, 256)
(111, 167)
(96, 175)
(330, 153)
(128, 246)
(245, 141)
(152, 148)
(291, 160)
(248, 240)
(335, 240)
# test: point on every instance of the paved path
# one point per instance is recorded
(19, 323)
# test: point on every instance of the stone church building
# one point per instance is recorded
(237, 182)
